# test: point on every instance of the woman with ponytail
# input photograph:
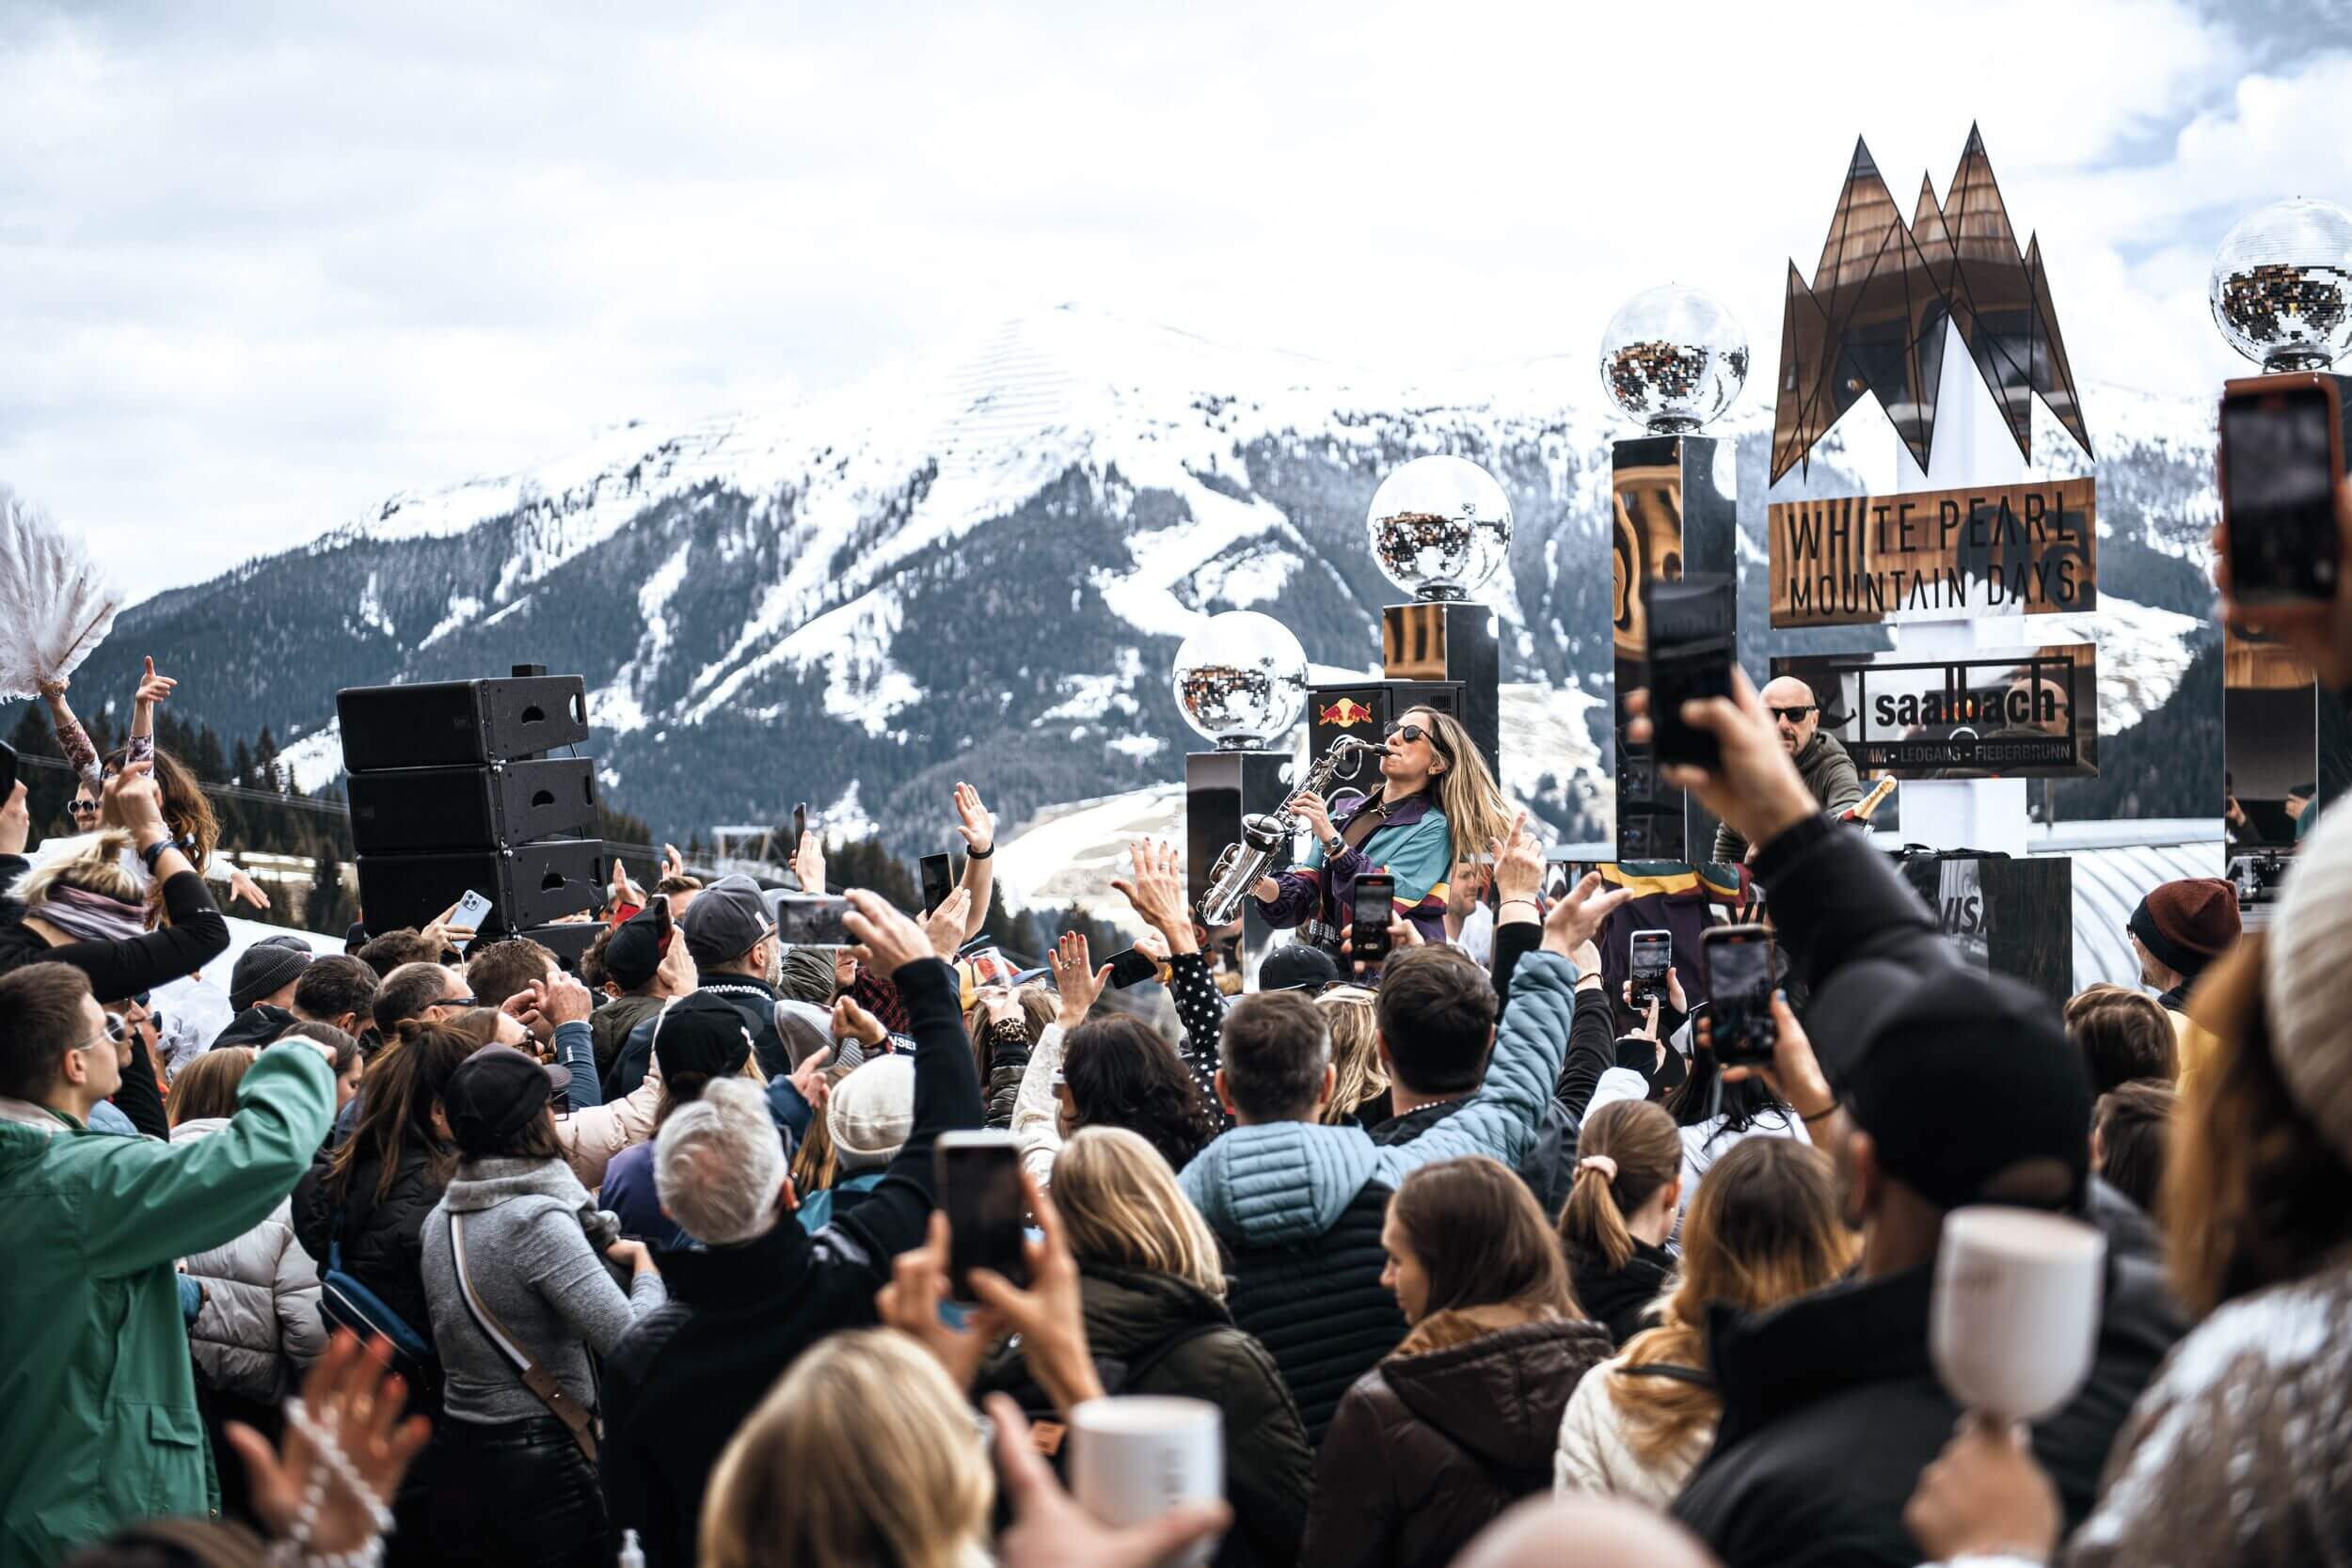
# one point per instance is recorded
(1763, 1229)
(1621, 1210)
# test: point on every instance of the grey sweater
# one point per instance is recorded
(534, 1267)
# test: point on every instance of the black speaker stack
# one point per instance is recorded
(453, 792)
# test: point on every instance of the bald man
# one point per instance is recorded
(1583, 1533)
(1828, 772)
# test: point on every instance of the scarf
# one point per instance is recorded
(88, 916)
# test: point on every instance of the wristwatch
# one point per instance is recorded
(1334, 846)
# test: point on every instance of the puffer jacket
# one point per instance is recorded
(1443, 1436)
(609, 1026)
(1182, 1343)
(260, 1323)
(381, 1235)
(1300, 1205)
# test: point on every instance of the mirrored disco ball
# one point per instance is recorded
(1242, 680)
(2281, 286)
(1440, 527)
(1673, 358)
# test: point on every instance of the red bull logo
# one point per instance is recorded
(1346, 713)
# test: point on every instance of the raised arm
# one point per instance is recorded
(1155, 889)
(978, 829)
(72, 738)
(152, 689)
(195, 935)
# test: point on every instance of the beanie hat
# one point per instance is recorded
(635, 949)
(871, 1113)
(2307, 980)
(1959, 1076)
(805, 1027)
(808, 976)
(2186, 925)
(701, 1033)
(264, 967)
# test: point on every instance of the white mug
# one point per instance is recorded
(2016, 1323)
(1134, 1457)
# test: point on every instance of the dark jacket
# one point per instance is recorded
(195, 935)
(1183, 1342)
(684, 1379)
(1413, 844)
(381, 1237)
(1617, 1298)
(1433, 1443)
(609, 1027)
(1832, 1408)
(1008, 1048)
(754, 999)
(1828, 773)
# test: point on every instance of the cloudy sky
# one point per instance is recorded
(263, 266)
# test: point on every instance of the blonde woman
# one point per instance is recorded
(1437, 806)
(1763, 1229)
(1360, 1093)
(1152, 1293)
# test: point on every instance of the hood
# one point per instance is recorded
(1129, 1308)
(25, 1129)
(1497, 1391)
(1278, 1184)
(198, 1127)
(486, 1183)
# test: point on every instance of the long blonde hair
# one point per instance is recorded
(1763, 1229)
(1355, 1050)
(96, 868)
(1119, 1205)
(1475, 812)
(864, 1455)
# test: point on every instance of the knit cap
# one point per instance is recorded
(871, 1112)
(2189, 924)
(2307, 980)
(264, 967)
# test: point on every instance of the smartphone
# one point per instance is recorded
(1739, 962)
(978, 1176)
(812, 920)
(1374, 907)
(1690, 657)
(472, 909)
(939, 879)
(1132, 967)
(990, 969)
(1652, 951)
(8, 771)
(800, 828)
(2281, 460)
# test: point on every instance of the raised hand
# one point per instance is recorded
(673, 863)
(621, 893)
(1518, 869)
(1156, 889)
(1576, 918)
(244, 890)
(1075, 978)
(132, 801)
(2319, 631)
(1046, 1313)
(808, 862)
(528, 1007)
(154, 687)
(566, 1000)
(1756, 790)
(854, 1023)
(911, 1304)
(1985, 1497)
(16, 822)
(945, 925)
(974, 822)
(887, 940)
(810, 1080)
(352, 1399)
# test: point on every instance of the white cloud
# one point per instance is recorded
(266, 267)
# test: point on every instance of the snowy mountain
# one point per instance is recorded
(977, 563)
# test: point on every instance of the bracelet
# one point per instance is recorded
(1531, 903)
(972, 854)
(155, 852)
(1827, 1110)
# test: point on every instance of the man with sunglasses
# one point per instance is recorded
(99, 1423)
(1827, 770)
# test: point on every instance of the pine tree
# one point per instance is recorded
(323, 909)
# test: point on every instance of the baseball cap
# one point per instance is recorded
(1297, 967)
(494, 1094)
(701, 1033)
(726, 920)
(635, 949)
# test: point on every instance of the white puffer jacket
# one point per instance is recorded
(259, 1325)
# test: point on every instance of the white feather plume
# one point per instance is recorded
(56, 604)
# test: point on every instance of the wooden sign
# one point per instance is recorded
(2004, 550)
(1996, 713)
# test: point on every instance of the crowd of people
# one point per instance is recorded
(442, 1253)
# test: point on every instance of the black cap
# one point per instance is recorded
(268, 965)
(634, 950)
(1960, 1076)
(701, 1033)
(1297, 967)
(726, 920)
(492, 1095)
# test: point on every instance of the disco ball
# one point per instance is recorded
(1440, 527)
(2281, 286)
(1673, 358)
(1241, 680)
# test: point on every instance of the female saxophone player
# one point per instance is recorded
(1438, 805)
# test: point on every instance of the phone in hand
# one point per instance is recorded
(1651, 952)
(978, 1175)
(8, 771)
(939, 881)
(1690, 658)
(1132, 967)
(812, 920)
(1739, 962)
(800, 828)
(2281, 462)
(1374, 907)
(472, 911)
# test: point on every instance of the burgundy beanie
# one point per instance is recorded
(2189, 924)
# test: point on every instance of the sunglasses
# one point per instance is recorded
(1793, 715)
(452, 1002)
(80, 807)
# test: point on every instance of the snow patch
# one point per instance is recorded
(461, 609)
(316, 760)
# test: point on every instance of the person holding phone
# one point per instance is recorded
(1437, 805)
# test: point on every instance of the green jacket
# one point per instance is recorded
(1828, 772)
(98, 1418)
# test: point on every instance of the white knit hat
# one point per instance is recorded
(871, 1112)
(2307, 979)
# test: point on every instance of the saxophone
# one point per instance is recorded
(1266, 835)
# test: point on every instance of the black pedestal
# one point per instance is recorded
(1220, 788)
(1455, 641)
(2007, 914)
(1675, 515)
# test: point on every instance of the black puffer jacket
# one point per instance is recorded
(1180, 1341)
(1319, 1305)
(381, 1237)
(1616, 1298)
(1438, 1439)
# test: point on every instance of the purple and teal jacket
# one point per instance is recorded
(1415, 845)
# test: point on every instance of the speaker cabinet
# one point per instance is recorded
(440, 724)
(408, 810)
(530, 884)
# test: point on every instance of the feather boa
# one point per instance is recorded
(56, 604)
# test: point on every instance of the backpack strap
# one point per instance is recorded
(548, 1388)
